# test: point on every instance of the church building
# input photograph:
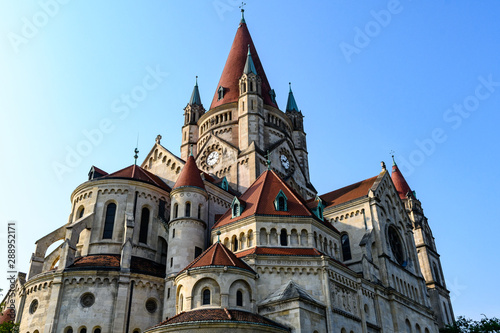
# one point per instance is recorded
(232, 236)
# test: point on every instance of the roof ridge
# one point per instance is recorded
(228, 255)
(264, 174)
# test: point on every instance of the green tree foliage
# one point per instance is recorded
(464, 325)
(9, 327)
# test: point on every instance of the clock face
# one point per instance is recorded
(284, 162)
(212, 158)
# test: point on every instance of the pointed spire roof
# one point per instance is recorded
(249, 66)
(218, 255)
(195, 96)
(135, 172)
(291, 104)
(190, 175)
(234, 67)
(399, 181)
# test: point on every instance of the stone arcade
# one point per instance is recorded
(232, 235)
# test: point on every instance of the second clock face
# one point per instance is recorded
(212, 158)
(284, 162)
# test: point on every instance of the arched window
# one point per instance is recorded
(206, 296)
(283, 237)
(181, 302)
(235, 244)
(109, 221)
(163, 250)
(80, 212)
(69, 330)
(143, 231)
(239, 298)
(83, 330)
(346, 247)
(408, 326)
(176, 211)
(199, 212)
(188, 210)
(97, 330)
(417, 328)
(396, 245)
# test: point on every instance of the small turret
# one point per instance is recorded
(188, 219)
(192, 113)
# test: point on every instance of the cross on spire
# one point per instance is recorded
(268, 162)
(242, 12)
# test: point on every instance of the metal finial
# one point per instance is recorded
(249, 50)
(196, 80)
(218, 236)
(268, 162)
(191, 150)
(290, 86)
(392, 154)
(242, 12)
(136, 151)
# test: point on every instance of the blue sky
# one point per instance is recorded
(420, 78)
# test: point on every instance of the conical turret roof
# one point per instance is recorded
(233, 70)
(190, 175)
(195, 96)
(400, 182)
(291, 104)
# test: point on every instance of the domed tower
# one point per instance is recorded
(188, 216)
(428, 257)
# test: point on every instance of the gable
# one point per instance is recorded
(161, 162)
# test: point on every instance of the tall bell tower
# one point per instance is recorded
(428, 257)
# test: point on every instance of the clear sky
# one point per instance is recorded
(421, 78)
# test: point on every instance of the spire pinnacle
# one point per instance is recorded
(249, 65)
(191, 150)
(291, 105)
(268, 161)
(393, 161)
(195, 96)
(218, 236)
(242, 12)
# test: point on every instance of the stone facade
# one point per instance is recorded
(360, 259)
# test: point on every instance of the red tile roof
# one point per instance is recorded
(112, 262)
(135, 172)
(348, 193)
(221, 315)
(259, 200)
(400, 182)
(233, 70)
(280, 251)
(190, 175)
(97, 260)
(218, 255)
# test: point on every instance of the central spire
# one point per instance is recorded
(227, 91)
